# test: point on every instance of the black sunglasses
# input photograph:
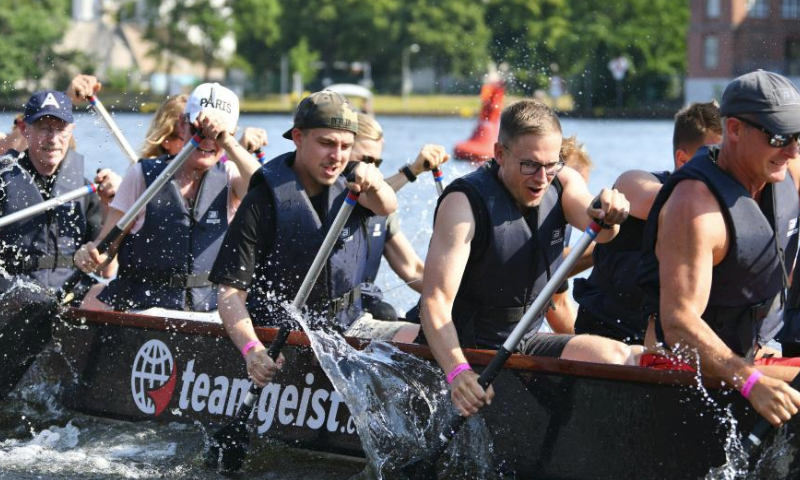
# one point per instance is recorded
(777, 140)
(375, 161)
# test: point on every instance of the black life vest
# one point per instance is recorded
(502, 279)
(41, 247)
(298, 237)
(747, 284)
(167, 262)
(610, 298)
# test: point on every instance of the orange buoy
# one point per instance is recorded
(480, 146)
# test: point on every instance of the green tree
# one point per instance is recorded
(258, 33)
(166, 30)
(302, 59)
(29, 30)
(212, 23)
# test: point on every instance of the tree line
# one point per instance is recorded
(534, 39)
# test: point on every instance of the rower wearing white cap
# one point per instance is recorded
(165, 259)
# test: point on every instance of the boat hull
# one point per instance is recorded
(550, 419)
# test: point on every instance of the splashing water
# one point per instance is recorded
(399, 404)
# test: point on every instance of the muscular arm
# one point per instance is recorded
(640, 188)
(244, 161)
(405, 262)
(692, 238)
(576, 199)
(447, 257)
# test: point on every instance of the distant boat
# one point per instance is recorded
(480, 146)
(350, 91)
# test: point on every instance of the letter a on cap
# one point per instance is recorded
(50, 100)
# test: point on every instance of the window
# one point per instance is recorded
(790, 8)
(711, 52)
(712, 8)
(758, 8)
(793, 57)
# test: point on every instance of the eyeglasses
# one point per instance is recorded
(60, 132)
(369, 159)
(529, 167)
(777, 140)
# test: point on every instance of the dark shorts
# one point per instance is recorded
(544, 344)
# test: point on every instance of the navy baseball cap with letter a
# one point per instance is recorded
(772, 99)
(48, 103)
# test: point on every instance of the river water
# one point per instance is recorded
(40, 439)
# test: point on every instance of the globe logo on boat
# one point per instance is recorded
(153, 377)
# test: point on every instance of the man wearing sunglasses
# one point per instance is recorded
(719, 243)
(498, 237)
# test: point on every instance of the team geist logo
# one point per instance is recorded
(153, 377)
(310, 404)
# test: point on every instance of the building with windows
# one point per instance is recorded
(730, 37)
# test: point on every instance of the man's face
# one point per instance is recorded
(48, 141)
(322, 153)
(528, 190)
(764, 162)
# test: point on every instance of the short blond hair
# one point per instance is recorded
(369, 128)
(574, 154)
(163, 126)
(527, 117)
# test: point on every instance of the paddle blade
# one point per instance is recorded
(228, 448)
(425, 466)
(26, 326)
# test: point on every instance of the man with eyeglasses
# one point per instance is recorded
(40, 248)
(166, 257)
(719, 244)
(498, 236)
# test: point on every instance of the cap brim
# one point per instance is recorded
(65, 117)
(784, 123)
(288, 134)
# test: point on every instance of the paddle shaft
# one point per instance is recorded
(98, 107)
(488, 375)
(438, 177)
(753, 441)
(129, 217)
(47, 205)
(302, 295)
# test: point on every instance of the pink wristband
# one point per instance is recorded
(454, 373)
(249, 346)
(751, 381)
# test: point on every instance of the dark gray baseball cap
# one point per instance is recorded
(325, 109)
(772, 100)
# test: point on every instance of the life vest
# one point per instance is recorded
(503, 277)
(167, 262)
(748, 282)
(41, 247)
(610, 298)
(298, 237)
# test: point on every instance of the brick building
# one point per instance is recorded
(730, 37)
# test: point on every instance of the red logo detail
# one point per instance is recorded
(163, 394)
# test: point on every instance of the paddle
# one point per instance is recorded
(438, 177)
(228, 447)
(261, 156)
(424, 467)
(47, 205)
(98, 107)
(752, 442)
(27, 311)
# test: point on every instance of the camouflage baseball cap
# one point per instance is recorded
(325, 109)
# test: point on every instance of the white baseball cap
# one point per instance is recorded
(214, 96)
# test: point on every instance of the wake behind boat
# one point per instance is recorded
(551, 418)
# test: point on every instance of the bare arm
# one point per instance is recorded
(640, 188)
(692, 238)
(561, 317)
(404, 260)
(585, 262)
(429, 157)
(447, 257)
(577, 202)
(233, 312)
